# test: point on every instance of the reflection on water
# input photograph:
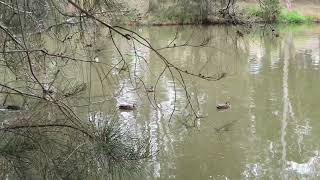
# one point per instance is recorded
(311, 167)
(272, 86)
(272, 83)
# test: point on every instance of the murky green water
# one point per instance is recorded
(272, 83)
(272, 129)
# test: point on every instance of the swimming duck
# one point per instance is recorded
(127, 107)
(11, 107)
(14, 107)
(221, 75)
(124, 68)
(239, 33)
(150, 89)
(223, 106)
(275, 33)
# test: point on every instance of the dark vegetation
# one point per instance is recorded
(43, 134)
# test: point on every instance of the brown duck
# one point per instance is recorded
(127, 107)
(239, 33)
(150, 89)
(223, 106)
(11, 108)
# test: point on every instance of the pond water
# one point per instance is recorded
(271, 80)
(272, 83)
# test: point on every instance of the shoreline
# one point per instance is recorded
(308, 12)
(220, 22)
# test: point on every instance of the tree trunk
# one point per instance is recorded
(204, 8)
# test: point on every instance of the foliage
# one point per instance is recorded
(270, 10)
(294, 17)
(206, 11)
(178, 14)
(284, 16)
(62, 153)
(185, 11)
(49, 139)
(255, 12)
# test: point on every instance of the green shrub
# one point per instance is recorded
(255, 11)
(285, 16)
(294, 17)
(270, 9)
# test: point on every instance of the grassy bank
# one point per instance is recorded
(252, 15)
(284, 17)
(294, 17)
(241, 13)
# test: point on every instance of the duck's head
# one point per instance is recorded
(228, 103)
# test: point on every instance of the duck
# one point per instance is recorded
(150, 89)
(11, 107)
(221, 75)
(123, 68)
(223, 106)
(47, 91)
(127, 107)
(239, 33)
(14, 107)
(275, 33)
